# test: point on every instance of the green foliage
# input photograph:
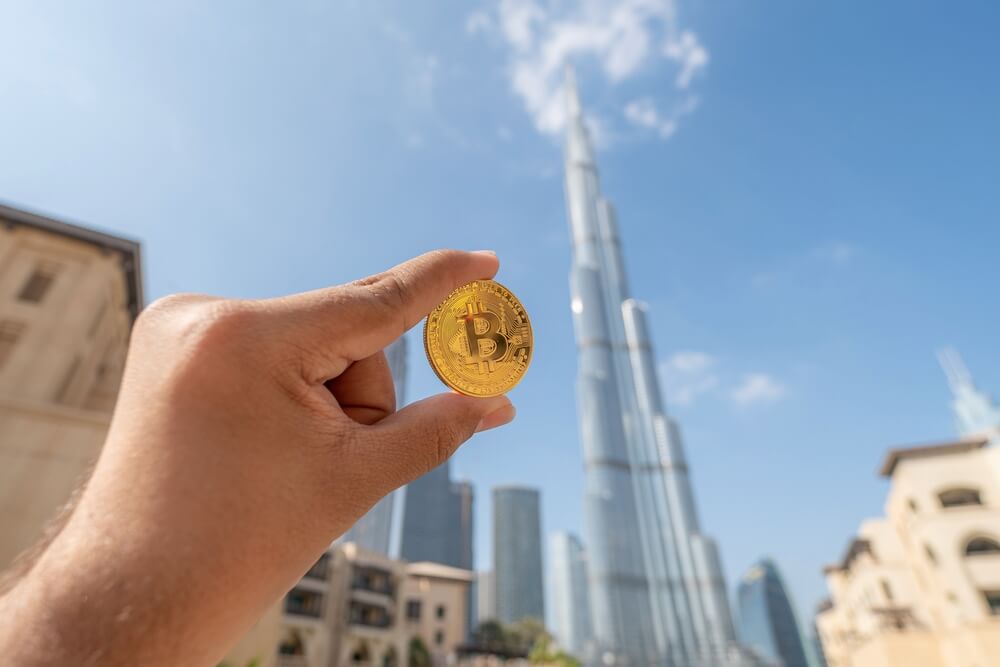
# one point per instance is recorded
(419, 655)
(255, 662)
(526, 637)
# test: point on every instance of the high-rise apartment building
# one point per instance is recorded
(766, 621)
(517, 554)
(569, 599)
(657, 592)
(68, 298)
(437, 520)
(486, 606)
(921, 586)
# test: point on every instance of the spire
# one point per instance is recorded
(578, 149)
(954, 368)
(975, 411)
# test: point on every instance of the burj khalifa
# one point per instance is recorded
(658, 596)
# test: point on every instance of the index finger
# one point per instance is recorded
(361, 318)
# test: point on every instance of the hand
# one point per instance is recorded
(248, 435)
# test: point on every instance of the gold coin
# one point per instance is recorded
(478, 340)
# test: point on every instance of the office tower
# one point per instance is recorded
(486, 608)
(68, 298)
(656, 586)
(766, 620)
(570, 603)
(378, 529)
(517, 554)
(975, 411)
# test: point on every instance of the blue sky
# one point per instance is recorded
(807, 195)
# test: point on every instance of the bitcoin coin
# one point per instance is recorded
(478, 340)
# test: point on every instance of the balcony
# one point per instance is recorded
(320, 569)
(304, 602)
(373, 579)
(369, 615)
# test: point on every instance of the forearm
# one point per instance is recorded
(135, 578)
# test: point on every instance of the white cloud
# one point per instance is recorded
(621, 35)
(686, 50)
(643, 112)
(477, 22)
(688, 375)
(758, 388)
(836, 252)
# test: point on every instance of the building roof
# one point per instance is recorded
(896, 455)
(855, 548)
(438, 571)
(128, 248)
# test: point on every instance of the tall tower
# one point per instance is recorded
(517, 554)
(767, 621)
(570, 602)
(657, 592)
(975, 411)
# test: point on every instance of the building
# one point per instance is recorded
(347, 611)
(68, 298)
(437, 520)
(437, 599)
(569, 599)
(921, 586)
(486, 605)
(378, 530)
(766, 620)
(517, 554)
(657, 591)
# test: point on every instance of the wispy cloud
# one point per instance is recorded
(623, 36)
(757, 388)
(690, 376)
(836, 252)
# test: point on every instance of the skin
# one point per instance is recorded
(248, 435)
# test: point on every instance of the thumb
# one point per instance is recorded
(423, 435)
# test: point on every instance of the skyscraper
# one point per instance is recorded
(656, 587)
(433, 516)
(570, 602)
(975, 411)
(486, 608)
(378, 529)
(766, 621)
(517, 554)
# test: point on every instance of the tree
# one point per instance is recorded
(419, 655)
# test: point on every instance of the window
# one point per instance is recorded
(439, 612)
(931, 556)
(38, 283)
(302, 602)
(10, 332)
(413, 610)
(913, 505)
(959, 497)
(993, 602)
(439, 637)
(887, 589)
(982, 546)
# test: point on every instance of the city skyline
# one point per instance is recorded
(817, 223)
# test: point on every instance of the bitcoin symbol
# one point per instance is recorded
(482, 330)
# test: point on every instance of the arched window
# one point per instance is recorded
(982, 546)
(959, 497)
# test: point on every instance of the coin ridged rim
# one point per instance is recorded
(427, 351)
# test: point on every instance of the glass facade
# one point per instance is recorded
(570, 601)
(517, 554)
(767, 623)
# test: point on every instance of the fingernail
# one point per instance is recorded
(490, 253)
(498, 417)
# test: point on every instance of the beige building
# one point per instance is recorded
(437, 598)
(921, 586)
(346, 612)
(68, 298)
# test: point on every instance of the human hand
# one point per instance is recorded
(247, 436)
